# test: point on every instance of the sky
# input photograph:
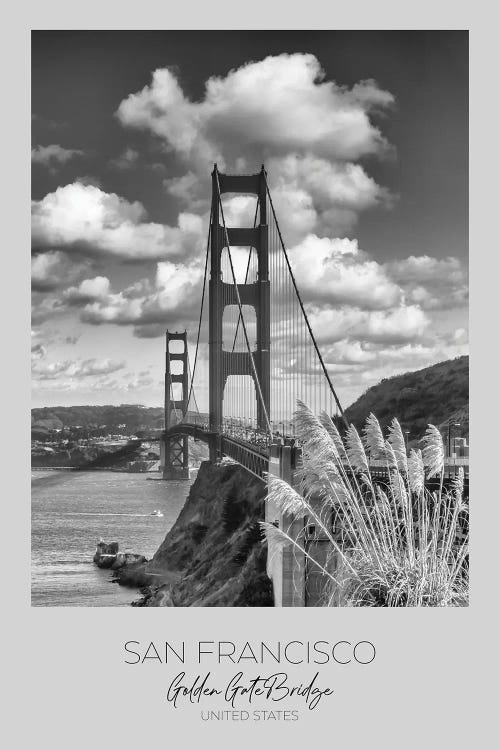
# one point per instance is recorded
(365, 140)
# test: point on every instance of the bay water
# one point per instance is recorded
(72, 510)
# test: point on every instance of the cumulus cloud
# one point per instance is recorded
(53, 155)
(281, 103)
(54, 269)
(336, 271)
(138, 383)
(89, 179)
(84, 218)
(460, 336)
(396, 326)
(425, 269)
(44, 308)
(123, 382)
(174, 299)
(314, 135)
(347, 352)
(239, 210)
(385, 361)
(432, 283)
(88, 290)
(341, 183)
(38, 351)
(47, 123)
(184, 187)
(348, 295)
(310, 193)
(77, 370)
(358, 355)
(281, 111)
(125, 160)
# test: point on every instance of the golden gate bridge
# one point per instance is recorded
(256, 354)
(260, 353)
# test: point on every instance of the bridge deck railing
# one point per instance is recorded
(253, 440)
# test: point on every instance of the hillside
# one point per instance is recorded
(126, 418)
(100, 455)
(213, 556)
(433, 395)
(133, 416)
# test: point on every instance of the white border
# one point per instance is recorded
(428, 687)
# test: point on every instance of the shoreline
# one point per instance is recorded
(69, 512)
(131, 570)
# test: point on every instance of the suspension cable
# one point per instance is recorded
(325, 371)
(246, 273)
(201, 314)
(191, 390)
(173, 401)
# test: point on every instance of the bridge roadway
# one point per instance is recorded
(251, 449)
(252, 453)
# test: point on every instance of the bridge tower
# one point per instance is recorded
(174, 449)
(223, 363)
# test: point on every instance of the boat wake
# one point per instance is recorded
(131, 515)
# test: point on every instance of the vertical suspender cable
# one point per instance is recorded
(325, 371)
(201, 309)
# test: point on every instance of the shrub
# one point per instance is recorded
(233, 513)
(199, 532)
(393, 544)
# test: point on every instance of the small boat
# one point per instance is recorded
(156, 513)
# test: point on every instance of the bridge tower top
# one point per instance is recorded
(175, 408)
(224, 363)
(175, 457)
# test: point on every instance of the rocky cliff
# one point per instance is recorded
(214, 556)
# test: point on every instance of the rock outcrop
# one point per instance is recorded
(107, 555)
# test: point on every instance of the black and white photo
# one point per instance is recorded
(249, 344)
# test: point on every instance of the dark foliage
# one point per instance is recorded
(234, 514)
(434, 395)
(134, 416)
(198, 531)
(258, 592)
(251, 538)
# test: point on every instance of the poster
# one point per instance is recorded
(335, 163)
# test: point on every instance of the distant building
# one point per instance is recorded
(459, 447)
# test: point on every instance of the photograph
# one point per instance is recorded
(249, 320)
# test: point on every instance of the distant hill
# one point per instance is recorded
(138, 420)
(133, 416)
(433, 395)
